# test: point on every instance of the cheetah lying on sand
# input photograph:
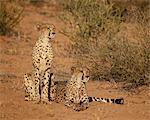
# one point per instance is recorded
(73, 93)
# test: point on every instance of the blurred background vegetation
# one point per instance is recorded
(102, 38)
(10, 16)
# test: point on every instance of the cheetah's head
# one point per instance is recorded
(46, 30)
(82, 74)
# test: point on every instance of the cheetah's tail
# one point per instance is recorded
(107, 100)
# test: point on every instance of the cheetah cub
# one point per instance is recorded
(42, 56)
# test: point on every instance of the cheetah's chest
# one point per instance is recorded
(43, 55)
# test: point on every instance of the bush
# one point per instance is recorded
(95, 30)
(129, 61)
(10, 16)
(36, 2)
(39, 3)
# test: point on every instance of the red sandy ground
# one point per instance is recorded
(15, 60)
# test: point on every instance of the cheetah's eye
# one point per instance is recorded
(87, 76)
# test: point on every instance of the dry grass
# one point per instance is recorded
(10, 16)
(95, 30)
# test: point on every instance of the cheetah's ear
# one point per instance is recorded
(86, 71)
(38, 26)
(73, 69)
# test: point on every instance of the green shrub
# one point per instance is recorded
(95, 28)
(10, 16)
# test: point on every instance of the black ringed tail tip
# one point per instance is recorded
(107, 100)
(90, 99)
(119, 101)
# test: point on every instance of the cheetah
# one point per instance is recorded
(42, 56)
(73, 93)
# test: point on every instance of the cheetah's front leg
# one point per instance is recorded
(29, 87)
(47, 87)
(36, 80)
(84, 101)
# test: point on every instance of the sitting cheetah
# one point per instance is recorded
(73, 93)
(42, 57)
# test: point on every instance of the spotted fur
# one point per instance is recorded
(42, 57)
(29, 87)
(73, 93)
